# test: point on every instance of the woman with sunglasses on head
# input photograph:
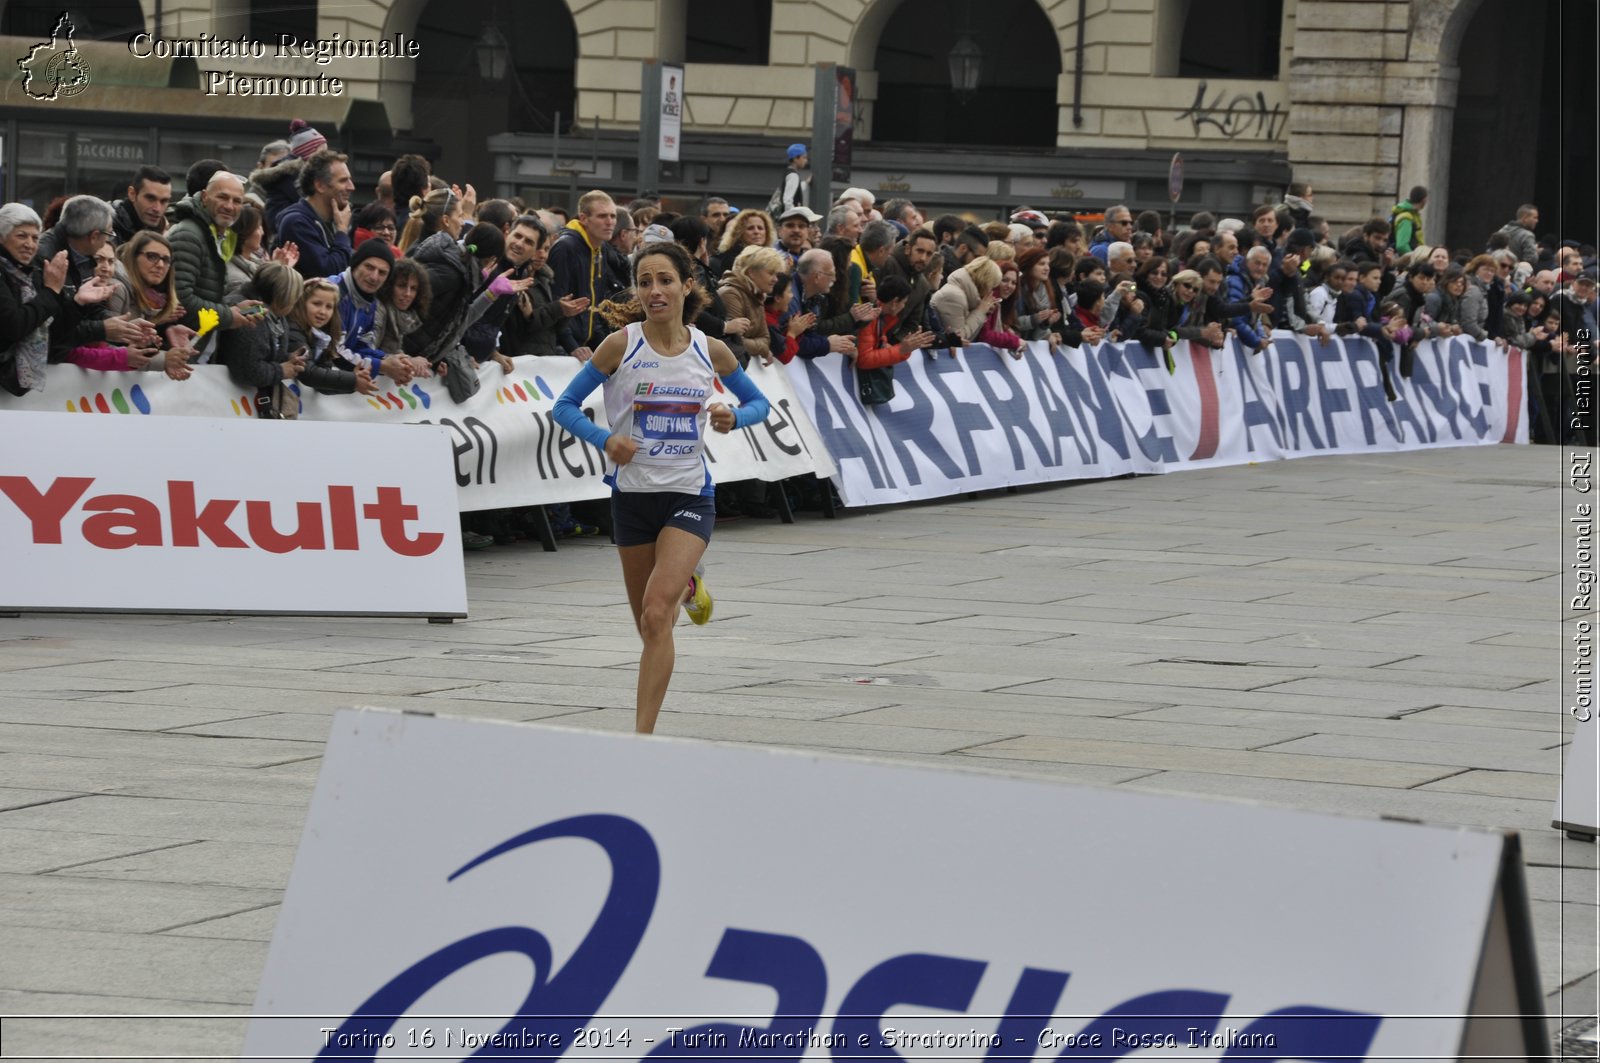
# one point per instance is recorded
(660, 374)
(1177, 312)
(440, 210)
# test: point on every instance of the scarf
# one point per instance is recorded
(153, 304)
(347, 282)
(33, 350)
(227, 242)
(392, 326)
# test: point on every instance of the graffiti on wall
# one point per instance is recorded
(1245, 115)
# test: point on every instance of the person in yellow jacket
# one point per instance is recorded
(579, 263)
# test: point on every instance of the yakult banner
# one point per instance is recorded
(508, 451)
(468, 887)
(982, 419)
(161, 514)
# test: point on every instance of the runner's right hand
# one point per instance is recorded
(620, 449)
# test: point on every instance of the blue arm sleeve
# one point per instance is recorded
(568, 412)
(753, 406)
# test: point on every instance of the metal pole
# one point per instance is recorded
(1077, 68)
(649, 182)
(825, 101)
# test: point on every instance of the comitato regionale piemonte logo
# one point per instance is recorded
(55, 70)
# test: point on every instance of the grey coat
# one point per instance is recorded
(1523, 243)
(1473, 312)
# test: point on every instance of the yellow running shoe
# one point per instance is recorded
(698, 605)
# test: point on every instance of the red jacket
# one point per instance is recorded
(873, 349)
(791, 346)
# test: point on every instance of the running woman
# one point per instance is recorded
(658, 374)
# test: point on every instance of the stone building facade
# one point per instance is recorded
(1357, 96)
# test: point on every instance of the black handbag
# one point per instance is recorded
(875, 386)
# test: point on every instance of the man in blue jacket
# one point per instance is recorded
(1119, 226)
(319, 225)
(1243, 279)
(360, 287)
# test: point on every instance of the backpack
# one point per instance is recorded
(775, 204)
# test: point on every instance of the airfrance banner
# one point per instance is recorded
(983, 419)
(507, 448)
(477, 888)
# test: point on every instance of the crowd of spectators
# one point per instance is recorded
(276, 276)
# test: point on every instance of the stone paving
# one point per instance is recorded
(1369, 635)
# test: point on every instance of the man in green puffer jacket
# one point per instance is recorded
(202, 243)
(1405, 220)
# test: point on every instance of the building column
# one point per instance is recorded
(1425, 148)
(1345, 130)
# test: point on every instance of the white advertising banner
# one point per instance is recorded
(983, 419)
(157, 514)
(671, 113)
(506, 448)
(467, 886)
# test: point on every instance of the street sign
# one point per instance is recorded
(671, 112)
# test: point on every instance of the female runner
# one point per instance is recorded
(658, 377)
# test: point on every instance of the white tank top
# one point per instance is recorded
(659, 402)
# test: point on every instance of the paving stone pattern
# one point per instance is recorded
(1365, 635)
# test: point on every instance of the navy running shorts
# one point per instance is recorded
(637, 517)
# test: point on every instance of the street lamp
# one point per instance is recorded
(492, 52)
(966, 63)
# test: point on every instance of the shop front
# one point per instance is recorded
(151, 112)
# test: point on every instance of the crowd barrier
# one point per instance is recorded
(977, 420)
(983, 419)
(508, 449)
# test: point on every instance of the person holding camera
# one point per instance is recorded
(260, 358)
